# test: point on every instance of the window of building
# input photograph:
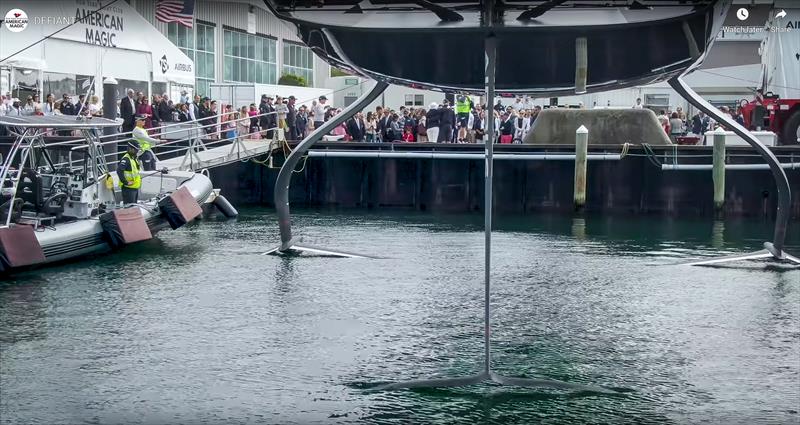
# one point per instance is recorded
(58, 84)
(5, 79)
(198, 44)
(250, 58)
(415, 100)
(26, 83)
(656, 100)
(298, 60)
(124, 85)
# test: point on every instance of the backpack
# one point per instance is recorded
(421, 130)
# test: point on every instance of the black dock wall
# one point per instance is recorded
(631, 185)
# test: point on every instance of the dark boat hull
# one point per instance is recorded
(532, 58)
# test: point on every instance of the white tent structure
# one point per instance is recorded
(90, 41)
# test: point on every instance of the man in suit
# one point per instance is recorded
(384, 124)
(66, 108)
(355, 126)
(291, 117)
(447, 119)
(165, 109)
(194, 108)
(156, 118)
(206, 119)
(127, 110)
(266, 122)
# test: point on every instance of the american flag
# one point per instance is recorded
(180, 11)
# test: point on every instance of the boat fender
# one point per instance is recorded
(225, 207)
(109, 182)
(19, 247)
(179, 208)
(125, 226)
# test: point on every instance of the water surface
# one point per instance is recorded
(197, 327)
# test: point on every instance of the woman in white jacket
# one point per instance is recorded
(484, 126)
(526, 124)
(519, 126)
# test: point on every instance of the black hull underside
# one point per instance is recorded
(531, 59)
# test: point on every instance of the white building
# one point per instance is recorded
(238, 41)
(114, 42)
(230, 41)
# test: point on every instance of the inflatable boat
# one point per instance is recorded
(59, 201)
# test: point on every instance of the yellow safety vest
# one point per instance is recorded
(462, 107)
(133, 174)
(144, 145)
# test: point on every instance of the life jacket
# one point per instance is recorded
(462, 105)
(144, 145)
(133, 174)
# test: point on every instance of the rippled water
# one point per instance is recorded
(198, 327)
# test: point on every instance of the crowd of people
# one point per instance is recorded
(460, 122)
(225, 121)
(160, 110)
(463, 122)
(66, 105)
(677, 124)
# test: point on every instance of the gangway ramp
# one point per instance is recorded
(199, 158)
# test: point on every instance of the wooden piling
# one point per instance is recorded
(581, 151)
(581, 64)
(718, 171)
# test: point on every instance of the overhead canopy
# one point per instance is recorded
(114, 37)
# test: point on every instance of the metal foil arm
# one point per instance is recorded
(285, 174)
(774, 248)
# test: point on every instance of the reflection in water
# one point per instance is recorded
(579, 228)
(202, 326)
(718, 234)
(22, 311)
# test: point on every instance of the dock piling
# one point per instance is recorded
(581, 64)
(581, 152)
(718, 172)
(110, 112)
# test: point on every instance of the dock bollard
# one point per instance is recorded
(718, 172)
(581, 151)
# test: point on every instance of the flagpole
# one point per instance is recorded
(86, 96)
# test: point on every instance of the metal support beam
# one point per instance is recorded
(450, 155)
(731, 167)
(781, 181)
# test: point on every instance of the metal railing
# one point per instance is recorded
(196, 133)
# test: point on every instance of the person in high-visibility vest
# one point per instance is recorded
(128, 171)
(139, 134)
(463, 109)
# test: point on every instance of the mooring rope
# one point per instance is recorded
(651, 155)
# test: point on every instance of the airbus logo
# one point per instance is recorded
(164, 64)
